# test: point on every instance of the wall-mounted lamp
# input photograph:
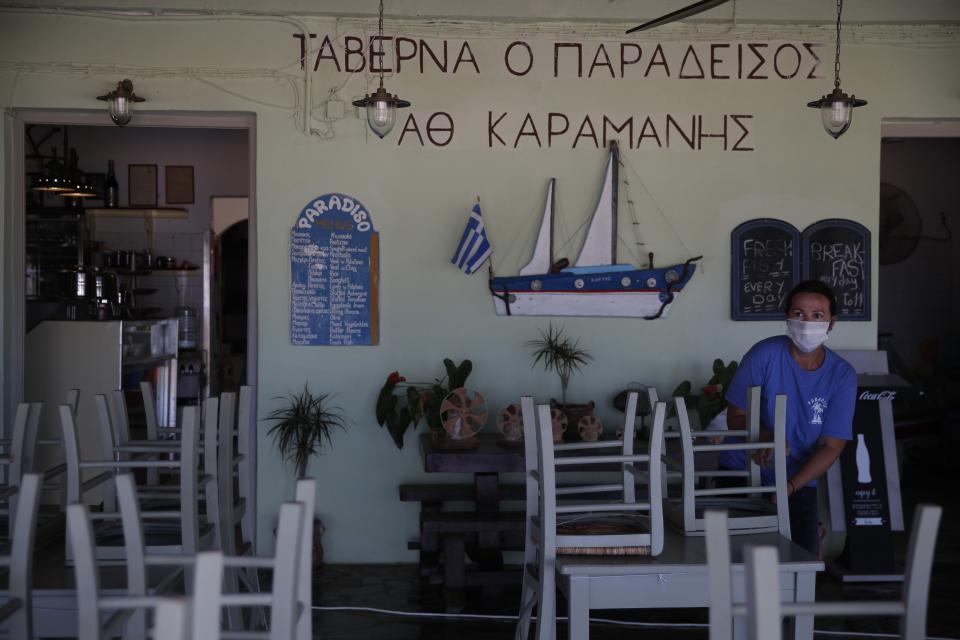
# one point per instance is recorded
(381, 106)
(836, 109)
(120, 102)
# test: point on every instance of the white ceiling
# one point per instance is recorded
(628, 12)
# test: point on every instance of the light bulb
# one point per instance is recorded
(837, 115)
(380, 116)
(120, 110)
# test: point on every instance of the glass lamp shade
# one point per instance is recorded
(120, 102)
(836, 111)
(381, 110)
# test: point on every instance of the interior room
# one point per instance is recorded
(417, 319)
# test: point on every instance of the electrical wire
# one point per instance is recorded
(623, 623)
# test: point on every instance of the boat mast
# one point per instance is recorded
(553, 188)
(615, 161)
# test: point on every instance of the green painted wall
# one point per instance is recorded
(419, 198)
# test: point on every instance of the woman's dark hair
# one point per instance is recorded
(812, 286)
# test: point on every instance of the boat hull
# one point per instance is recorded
(637, 293)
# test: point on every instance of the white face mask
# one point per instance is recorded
(807, 336)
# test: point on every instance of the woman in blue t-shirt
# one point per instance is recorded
(821, 392)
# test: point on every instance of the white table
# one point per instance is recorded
(677, 578)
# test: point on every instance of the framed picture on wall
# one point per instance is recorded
(142, 185)
(179, 184)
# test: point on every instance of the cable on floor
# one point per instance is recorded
(623, 623)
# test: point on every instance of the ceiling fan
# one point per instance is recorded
(679, 14)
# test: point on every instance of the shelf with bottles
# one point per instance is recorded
(156, 272)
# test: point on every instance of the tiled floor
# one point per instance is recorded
(398, 588)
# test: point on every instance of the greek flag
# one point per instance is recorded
(474, 248)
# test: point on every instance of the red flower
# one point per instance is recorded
(395, 377)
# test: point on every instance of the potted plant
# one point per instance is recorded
(709, 405)
(560, 353)
(402, 404)
(302, 429)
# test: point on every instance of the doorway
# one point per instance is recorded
(183, 183)
(919, 284)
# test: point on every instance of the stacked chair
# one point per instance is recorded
(289, 602)
(184, 511)
(748, 505)
(567, 521)
(764, 611)
(184, 532)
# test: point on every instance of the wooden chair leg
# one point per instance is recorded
(454, 572)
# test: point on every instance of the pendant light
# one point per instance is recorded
(54, 179)
(77, 180)
(381, 106)
(120, 102)
(836, 109)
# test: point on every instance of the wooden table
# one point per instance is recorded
(447, 533)
(677, 578)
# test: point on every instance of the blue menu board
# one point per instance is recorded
(334, 274)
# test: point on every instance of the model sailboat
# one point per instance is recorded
(596, 285)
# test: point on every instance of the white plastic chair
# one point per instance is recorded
(225, 508)
(553, 528)
(16, 614)
(750, 509)
(763, 608)
(139, 559)
(14, 459)
(100, 616)
(172, 615)
(186, 534)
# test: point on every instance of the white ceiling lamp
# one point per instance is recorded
(381, 106)
(836, 109)
(120, 102)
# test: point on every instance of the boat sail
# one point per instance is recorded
(596, 285)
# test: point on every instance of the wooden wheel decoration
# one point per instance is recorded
(463, 415)
(559, 421)
(510, 422)
(590, 428)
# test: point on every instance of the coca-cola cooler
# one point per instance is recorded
(863, 486)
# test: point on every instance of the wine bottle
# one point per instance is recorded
(111, 196)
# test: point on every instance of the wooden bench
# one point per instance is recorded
(462, 492)
(432, 497)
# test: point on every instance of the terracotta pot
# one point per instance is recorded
(317, 544)
(573, 412)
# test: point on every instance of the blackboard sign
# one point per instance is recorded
(334, 274)
(837, 252)
(765, 262)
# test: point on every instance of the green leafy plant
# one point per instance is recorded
(559, 353)
(304, 426)
(709, 403)
(402, 404)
